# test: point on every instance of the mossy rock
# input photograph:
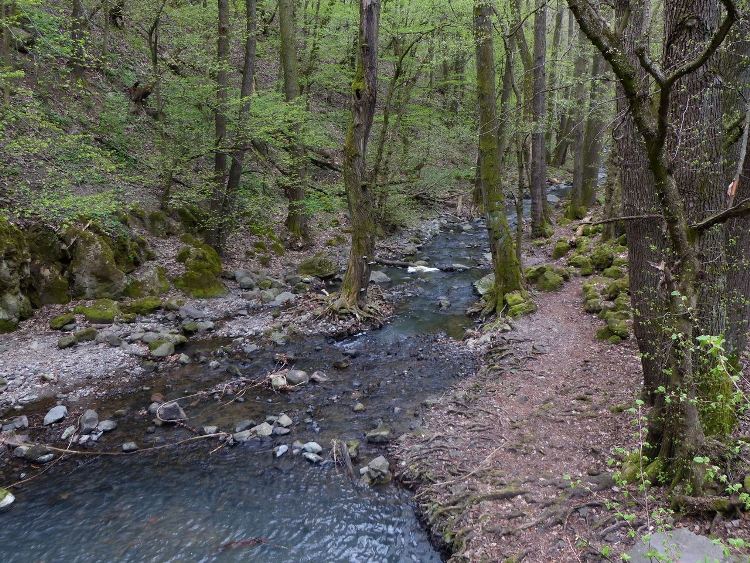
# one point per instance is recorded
(192, 218)
(524, 308)
(87, 334)
(485, 284)
(620, 262)
(561, 248)
(47, 283)
(615, 288)
(603, 333)
(613, 272)
(618, 327)
(60, 321)
(128, 249)
(564, 221)
(320, 265)
(550, 281)
(93, 270)
(533, 273)
(157, 223)
(151, 281)
(564, 273)
(583, 263)
(622, 302)
(202, 270)
(602, 257)
(590, 290)
(593, 305)
(102, 311)
(143, 306)
(515, 298)
(14, 276)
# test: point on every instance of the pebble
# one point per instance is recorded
(359, 407)
(280, 450)
(68, 432)
(129, 447)
(210, 430)
(312, 447)
(106, 425)
(312, 458)
(284, 421)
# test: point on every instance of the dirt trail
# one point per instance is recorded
(491, 462)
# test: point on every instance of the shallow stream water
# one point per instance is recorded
(203, 503)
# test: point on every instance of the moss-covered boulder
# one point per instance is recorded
(533, 273)
(151, 280)
(602, 257)
(550, 281)
(102, 311)
(519, 303)
(593, 305)
(14, 276)
(561, 248)
(583, 263)
(142, 306)
(614, 288)
(618, 327)
(613, 272)
(60, 321)
(202, 277)
(85, 335)
(319, 265)
(93, 271)
(48, 284)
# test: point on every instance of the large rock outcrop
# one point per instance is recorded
(14, 276)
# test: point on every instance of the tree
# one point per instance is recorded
(539, 223)
(678, 432)
(294, 181)
(504, 259)
(353, 295)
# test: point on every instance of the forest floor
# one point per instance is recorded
(517, 462)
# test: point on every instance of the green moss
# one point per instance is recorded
(562, 247)
(717, 408)
(153, 281)
(85, 335)
(520, 309)
(602, 257)
(550, 281)
(102, 311)
(7, 325)
(613, 272)
(622, 303)
(58, 322)
(277, 248)
(583, 263)
(615, 288)
(593, 305)
(202, 270)
(143, 306)
(157, 224)
(603, 333)
(320, 265)
(93, 268)
(515, 298)
(618, 327)
(533, 273)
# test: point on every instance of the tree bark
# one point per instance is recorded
(539, 224)
(294, 183)
(552, 95)
(593, 134)
(576, 208)
(353, 294)
(505, 261)
(77, 38)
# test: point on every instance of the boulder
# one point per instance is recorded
(93, 270)
(202, 269)
(262, 430)
(14, 275)
(6, 499)
(161, 348)
(279, 451)
(106, 426)
(150, 281)
(677, 545)
(129, 447)
(61, 321)
(283, 298)
(312, 447)
(55, 414)
(320, 265)
(284, 421)
(312, 458)
(243, 425)
(376, 276)
(278, 381)
(485, 284)
(319, 377)
(101, 311)
(380, 435)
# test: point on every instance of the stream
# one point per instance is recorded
(202, 503)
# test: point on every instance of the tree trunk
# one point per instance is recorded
(612, 197)
(539, 225)
(593, 134)
(505, 261)
(77, 37)
(359, 194)
(294, 183)
(577, 129)
(552, 82)
(566, 119)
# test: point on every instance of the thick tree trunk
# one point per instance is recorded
(577, 128)
(552, 81)
(359, 194)
(566, 116)
(506, 266)
(294, 183)
(593, 134)
(539, 225)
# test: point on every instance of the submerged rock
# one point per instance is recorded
(279, 451)
(171, 412)
(312, 447)
(6, 498)
(377, 472)
(311, 457)
(319, 377)
(129, 447)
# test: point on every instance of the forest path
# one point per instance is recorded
(498, 451)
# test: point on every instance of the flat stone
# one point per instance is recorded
(283, 298)
(106, 426)
(163, 350)
(312, 447)
(284, 421)
(243, 436)
(263, 430)
(55, 414)
(279, 451)
(677, 545)
(209, 430)
(319, 377)
(243, 425)
(190, 312)
(129, 447)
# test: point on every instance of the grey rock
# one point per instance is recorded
(678, 545)
(184, 359)
(359, 407)
(129, 447)
(284, 421)
(312, 447)
(380, 435)
(279, 451)
(319, 377)
(297, 377)
(68, 432)
(205, 325)
(283, 298)
(250, 348)
(163, 350)
(171, 412)
(190, 312)
(149, 337)
(209, 430)
(6, 499)
(280, 431)
(278, 338)
(278, 381)
(379, 465)
(106, 426)
(263, 430)
(89, 420)
(376, 276)
(312, 458)
(55, 414)
(18, 423)
(243, 436)
(66, 341)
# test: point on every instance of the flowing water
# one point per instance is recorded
(199, 503)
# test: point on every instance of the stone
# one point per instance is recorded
(380, 435)
(184, 359)
(359, 407)
(677, 545)
(562, 247)
(613, 272)
(89, 421)
(380, 465)
(85, 335)
(68, 432)
(352, 447)
(319, 377)
(106, 426)
(312, 458)
(243, 425)
(201, 278)
(55, 414)
(320, 265)
(263, 430)
(279, 451)
(297, 377)
(129, 447)
(376, 276)
(281, 431)
(278, 338)
(66, 341)
(284, 421)
(93, 269)
(312, 447)
(18, 423)
(207, 430)
(243, 436)
(283, 298)
(190, 312)
(61, 321)
(444, 303)
(485, 284)
(171, 412)
(602, 257)
(278, 381)
(102, 311)
(549, 281)
(161, 349)
(6, 499)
